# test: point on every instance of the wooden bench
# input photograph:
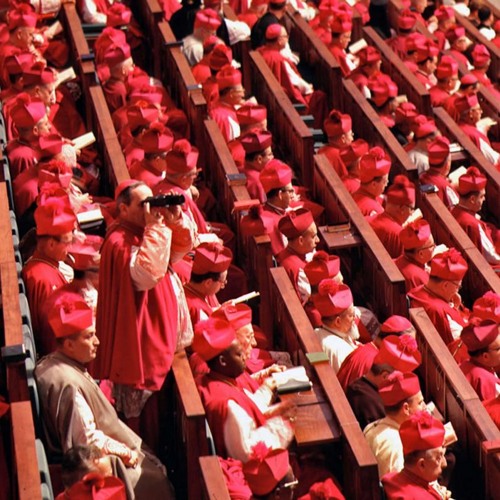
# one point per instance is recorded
(317, 56)
(360, 477)
(177, 76)
(291, 135)
(368, 125)
(214, 484)
(374, 274)
(115, 167)
(447, 386)
(393, 66)
(394, 7)
(480, 277)
(189, 434)
(25, 482)
(450, 128)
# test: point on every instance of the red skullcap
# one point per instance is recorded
(395, 324)
(275, 175)
(182, 158)
(253, 142)
(413, 40)
(332, 298)
(237, 316)
(480, 55)
(273, 31)
(444, 13)
(400, 386)
(354, 151)
(454, 33)
(373, 164)
(423, 126)
(400, 352)
(473, 180)
(220, 56)
(427, 50)
(27, 111)
(23, 16)
(86, 254)
(322, 267)
(118, 15)
(415, 234)
(337, 124)
(208, 19)
(54, 217)
(228, 77)
(487, 307)
(212, 337)
(250, 114)
(17, 64)
(467, 80)
(342, 23)
(465, 103)
(421, 432)
(369, 55)
(295, 223)
(124, 185)
(407, 20)
(405, 112)
(211, 258)
(141, 115)
(438, 150)
(382, 88)
(157, 139)
(401, 191)
(479, 334)
(70, 315)
(449, 265)
(446, 68)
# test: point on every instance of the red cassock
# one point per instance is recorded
(368, 205)
(407, 486)
(357, 364)
(25, 188)
(493, 408)
(254, 186)
(333, 155)
(443, 185)
(197, 304)
(292, 262)
(65, 117)
(21, 156)
(215, 392)
(221, 113)
(340, 54)
(437, 310)
(387, 229)
(137, 329)
(483, 380)
(474, 134)
(398, 45)
(275, 235)
(424, 79)
(440, 37)
(115, 92)
(41, 277)
(438, 96)
(459, 57)
(142, 171)
(414, 273)
(201, 71)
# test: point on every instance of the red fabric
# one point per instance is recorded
(41, 277)
(137, 330)
(387, 229)
(367, 204)
(357, 364)
(437, 309)
(470, 225)
(483, 380)
(21, 156)
(441, 182)
(438, 96)
(333, 155)
(292, 263)
(414, 274)
(142, 171)
(493, 408)
(115, 93)
(399, 485)
(25, 188)
(340, 55)
(221, 113)
(197, 304)
(215, 392)
(474, 134)
(65, 117)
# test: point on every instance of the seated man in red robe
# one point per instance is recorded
(427, 58)
(208, 276)
(447, 78)
(440, 297)
(383, 91)
(338, 129)
(424, 132)
(46, 271)
(422, 437)
(406, 24)
(341, 31)
(399, 206)
(472, 191)
(299, 228)
(142, 316)
(445, 15)
(469, 86)
(439, 167)
(236, 422)
(374, 169)
(369, 67)
(459, 43)
(418, 245)
(481, 59)
(351, 156)
(482, 339)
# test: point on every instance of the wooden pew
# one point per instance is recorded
(367, 125)
(360, 477)
(25, 482)
(480, 277)
(290, 133)
(317, 56)
(447, 386)
(177, 76)
(115, 167)
(380, 281)
(473, 33)
(450, 128)
(214, 485)
(492, 450)
(190, 433)
(394, 7)
(399, 72)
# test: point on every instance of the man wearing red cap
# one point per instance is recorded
(439, 167)
(482, 339)
(374, 169)
(472, 191)
(94, 486)
(341, 31)
(482, 59)
(404, 115)
(369, 67)
(399, 206)
(440, 297)
(206, 23)
(459, 43)
(75, 410)
(338, 333)
(237, 424)
(424, 132)
(469, 86)
(418, 245)
(299, 228)
(275, 14)
(445, 16)
(383, 91)
(422, 437)
(401, 397)
(45, 271)
(360, 360)
(338, 129)
(208, 276)
(350, 157)
(142, 317)
(447, 79)
(427, 58)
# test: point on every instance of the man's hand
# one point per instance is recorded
(131, 461)
(154, 217)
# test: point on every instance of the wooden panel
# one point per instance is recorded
(214, 484)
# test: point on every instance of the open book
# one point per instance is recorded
(292, 380)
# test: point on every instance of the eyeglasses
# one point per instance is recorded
(287, 190)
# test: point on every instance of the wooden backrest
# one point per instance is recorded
(394, 7)
(480, 277)
(450, 128)
(115, 167)
(214, 484)
(492, 450)
(447, 386)
(399, 72)
(380, 281)
(176, 74)
(360, 477)
(190, 434)
(290, 133)
(368, 125)
(316, 54)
